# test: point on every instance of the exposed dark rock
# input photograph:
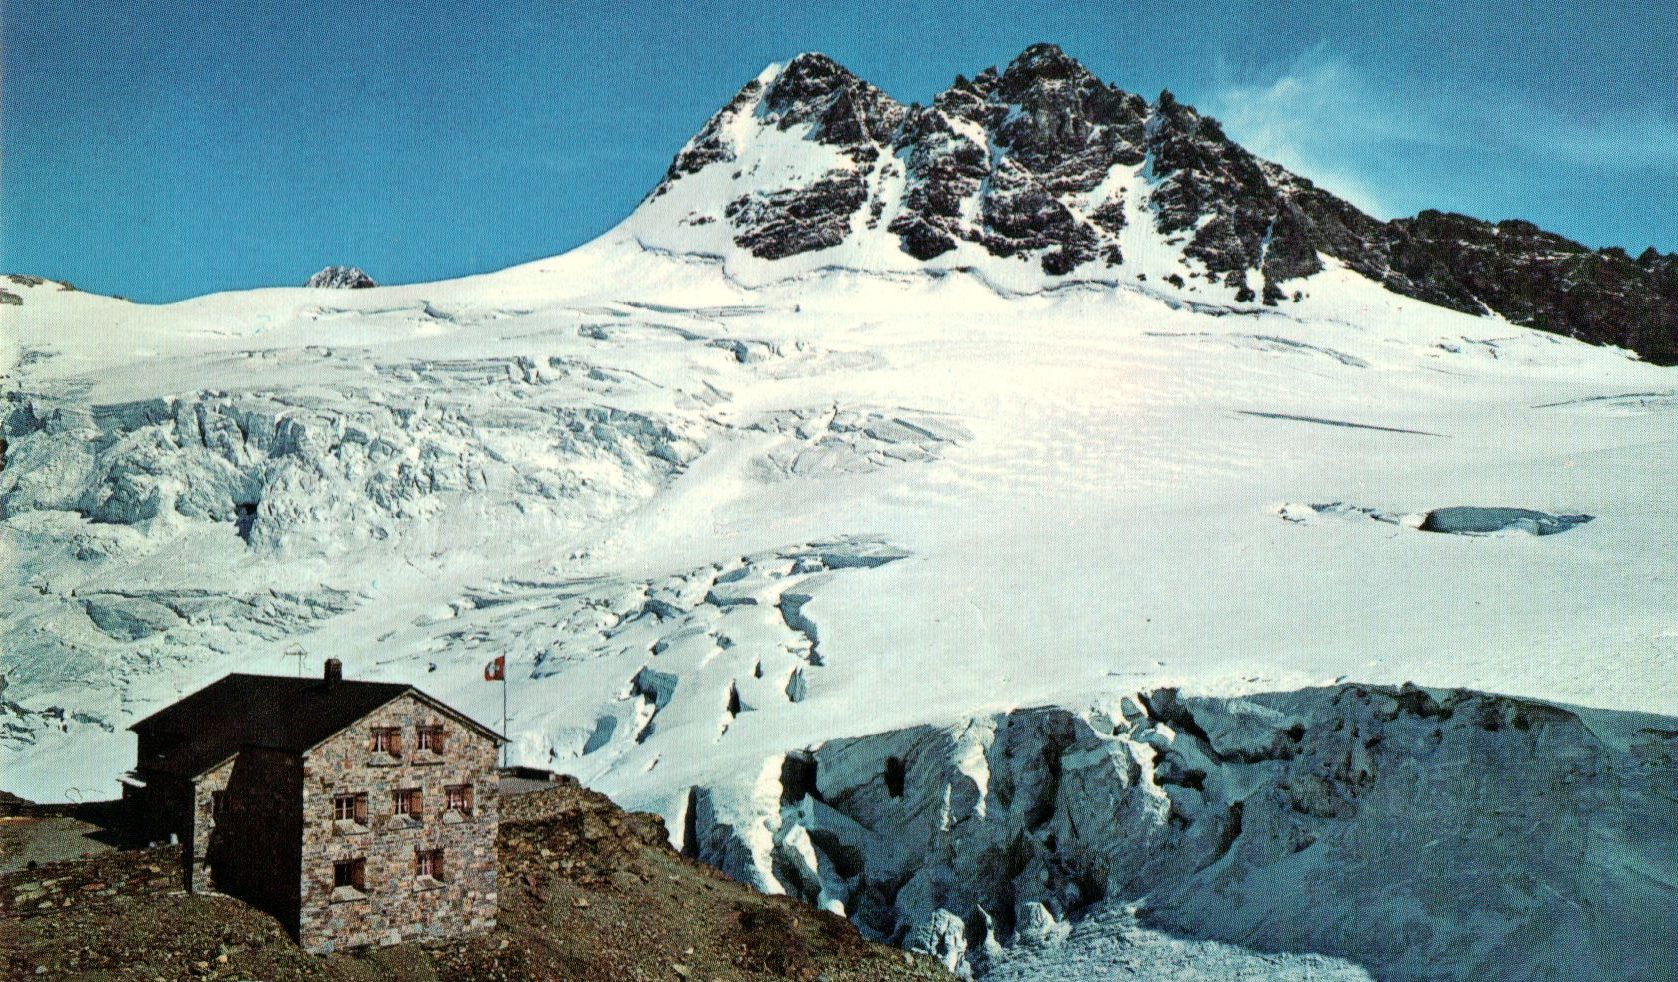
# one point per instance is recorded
(341, 278)
(788, 222)
(1051, 130)
(843, 110)
(1537, 279)
(709, 145)
(920, 238)
(1069, 127)
(1211, 187)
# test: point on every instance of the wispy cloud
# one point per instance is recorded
(1322, 116)
(1308, 115)
(1617, 141)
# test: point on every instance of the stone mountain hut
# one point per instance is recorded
(358, 813)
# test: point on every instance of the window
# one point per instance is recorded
(428, 862)
(387, 740)
(350, 873)
(408, 802)
(218, 805)
(430, 738)
(350, 808)
(459, 798)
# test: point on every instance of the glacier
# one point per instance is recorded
(981, 603)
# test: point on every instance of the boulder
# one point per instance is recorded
(341, 278)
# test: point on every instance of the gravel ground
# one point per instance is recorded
(27, 839)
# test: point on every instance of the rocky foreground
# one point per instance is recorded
(588, 892)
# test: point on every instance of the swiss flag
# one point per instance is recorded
(496, 670)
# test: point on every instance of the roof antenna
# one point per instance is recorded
(296, 651)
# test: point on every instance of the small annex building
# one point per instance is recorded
(357, 813)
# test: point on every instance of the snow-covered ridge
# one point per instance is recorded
(809, 167)
(1042, 174)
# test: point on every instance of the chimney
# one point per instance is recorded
(334, 671)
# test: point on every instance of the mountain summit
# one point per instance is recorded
(1043, 173)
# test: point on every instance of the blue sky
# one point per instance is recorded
(160, 150)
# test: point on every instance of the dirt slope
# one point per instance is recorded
(588, 892)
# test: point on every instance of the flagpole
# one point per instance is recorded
(506, 751)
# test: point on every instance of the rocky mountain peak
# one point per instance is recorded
(845, 110)
(1044, 76)
(1043, 62)
(807, 77)
(1045, 163)
(1168, 113)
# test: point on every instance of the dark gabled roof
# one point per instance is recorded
(274, 711)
